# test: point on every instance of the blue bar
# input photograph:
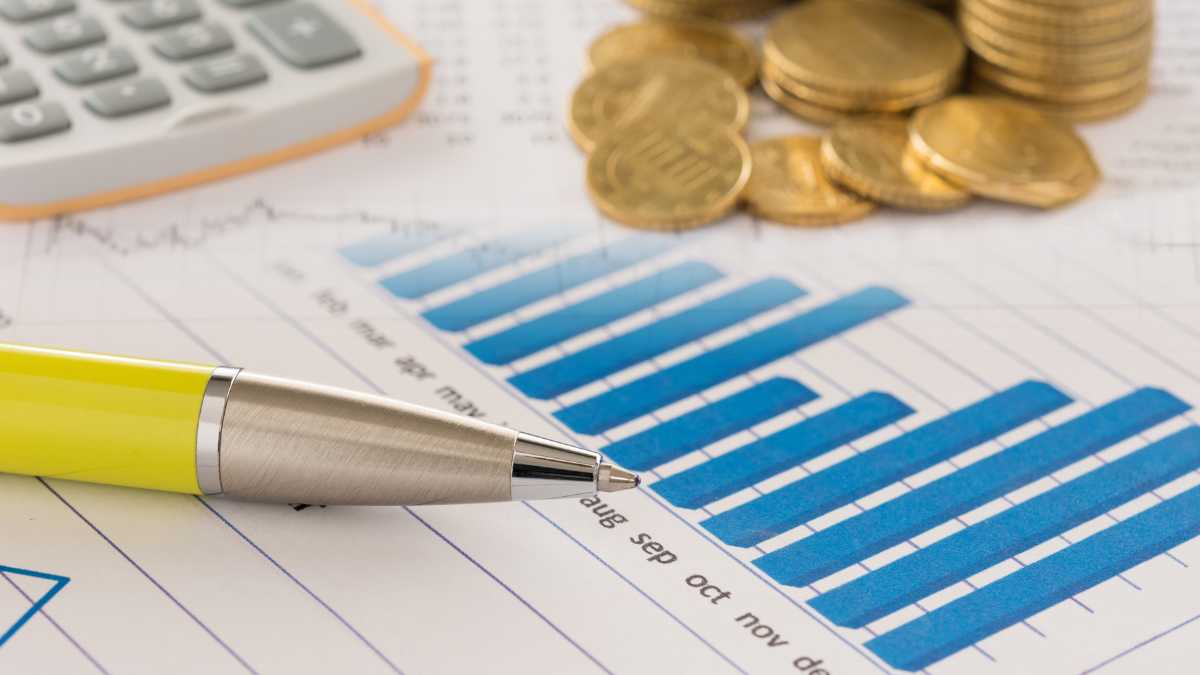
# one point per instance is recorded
(602, 360)
(801, 501)
(977, 548)
(530, 288)
(758, 461)
(464, 265)
(385, 247)
(908, 515)
(693, 376)
(677, 437)
(545, 331)
(1045, 583)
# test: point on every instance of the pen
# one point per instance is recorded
(224, 431)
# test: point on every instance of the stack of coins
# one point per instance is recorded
(826, 59)
(662, 112)
(661, 116)
(721, 10)
(1079, 59)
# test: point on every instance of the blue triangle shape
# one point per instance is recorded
(38, 603)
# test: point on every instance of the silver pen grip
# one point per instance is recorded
(290, 442)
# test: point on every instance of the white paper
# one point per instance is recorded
(1097, 299)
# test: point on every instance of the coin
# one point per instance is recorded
(656, 175)
(1005, 150)
(798, 106)
(851, 103)
(789, 185)
(1061, 92)
(722, 10)
(872, 157)
(875, 46)
(1090, 111)
(1077, 33)
(684, 91)
(705, 40)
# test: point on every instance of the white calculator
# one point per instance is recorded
(103, 101)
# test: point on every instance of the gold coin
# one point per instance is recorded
(1137, 43)
(1061, 92)
(872, 157)
(1003, 149)
(852, 104)
(708, 41)
(886, 46)
(789, 185)
(721, 10)
(1066, 35)
(1080, 14)
(655, 175)
(683, 91)
(1064, 66)
(799, 107)
(1091, 111)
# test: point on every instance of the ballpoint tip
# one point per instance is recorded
(613, 479)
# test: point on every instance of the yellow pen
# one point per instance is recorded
(211, 430)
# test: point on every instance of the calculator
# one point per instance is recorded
(103, 101)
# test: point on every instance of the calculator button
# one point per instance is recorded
(151, 14)
(95, 64)
(16, 85)
(28, 10)
(3, 57)
(24, 121)
(64, 32)
(303, 35)
(192, 40)
(227, 72)
(126, 98)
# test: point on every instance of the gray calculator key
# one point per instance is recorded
(192, 40)
(24, 121)
(16, 85)
(227, 72)
(126, 98)
(151, 14)
(64, 32)
(3, 57)
(303, 35)
(95, 64)
(28, 10)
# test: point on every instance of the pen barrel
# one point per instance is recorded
(100, 419)
(289, 442)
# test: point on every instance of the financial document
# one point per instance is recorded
(954, 444)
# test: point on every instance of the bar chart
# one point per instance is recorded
(653, 276)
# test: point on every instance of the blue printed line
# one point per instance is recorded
(561, 325)
(470, 263)
(893, 522)
(1045, 583)
(980, 546)
(60, 582)
(842, 483)
(628, 402)
(600, 361)
(389, 246)
(758, 461)
(514, 294)
(677, 437)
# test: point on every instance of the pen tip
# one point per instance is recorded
(613, 479)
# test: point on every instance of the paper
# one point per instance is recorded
(1001, 322)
